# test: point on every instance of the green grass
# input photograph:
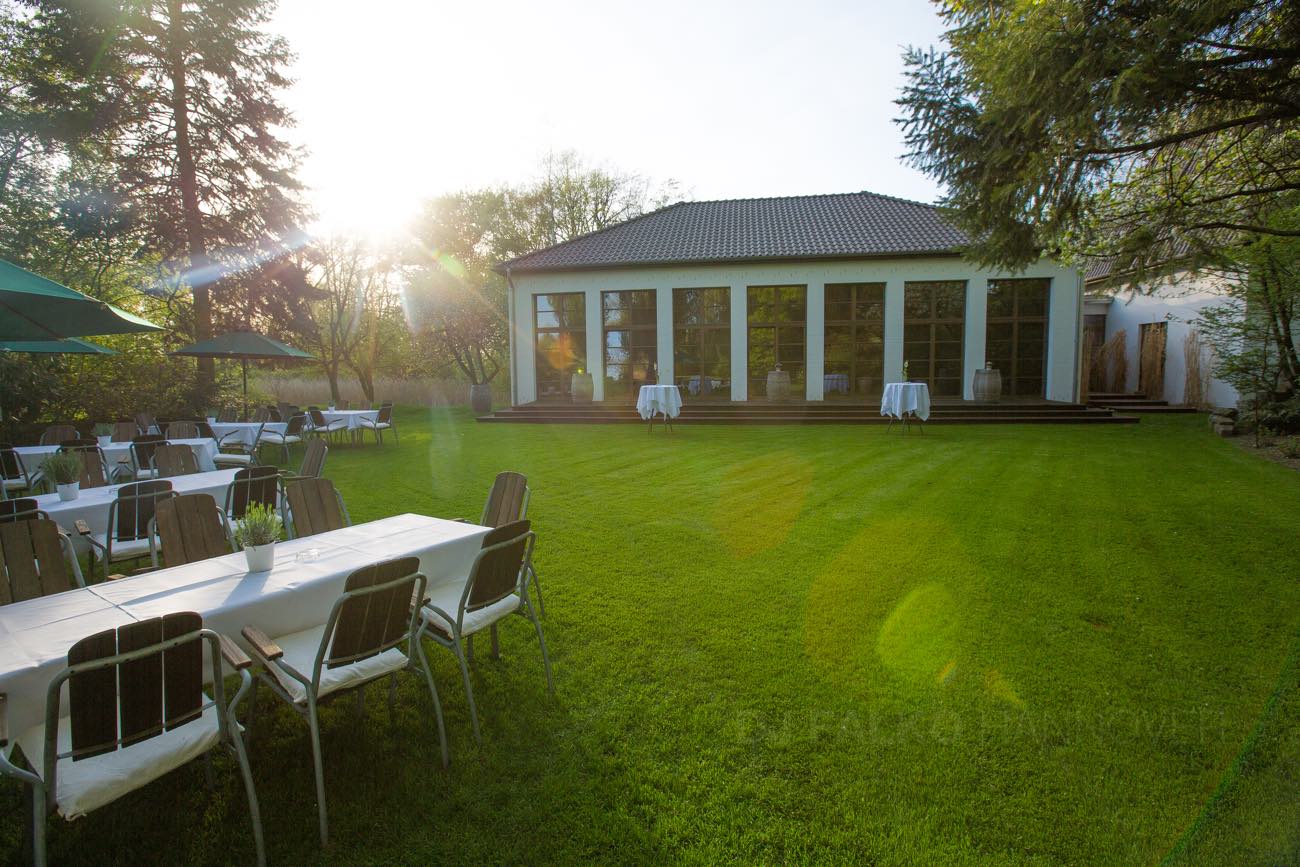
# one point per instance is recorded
(984, 644)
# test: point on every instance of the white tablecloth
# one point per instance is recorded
(294, 595)
(205, 450)
(246, 429)
(352, 416)
(906, 397)
(663, 400)
(693, 384)
(832, 382)
(92, 504)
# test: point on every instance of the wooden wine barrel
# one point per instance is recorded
(988, 385)
(778, 385)
(581, 387)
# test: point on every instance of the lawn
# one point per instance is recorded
(984, 644)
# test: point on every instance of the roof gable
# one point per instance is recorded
(739, 230)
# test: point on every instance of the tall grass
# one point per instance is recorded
(307, 390)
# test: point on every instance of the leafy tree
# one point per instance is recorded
(1132, 128)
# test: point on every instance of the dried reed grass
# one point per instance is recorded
(1196, 383)
(1112, 359)
(307, 390)
(1151, 382)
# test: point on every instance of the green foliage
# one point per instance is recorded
(1128, 129)
(1290, 447)
(63, 467)
(261, 525)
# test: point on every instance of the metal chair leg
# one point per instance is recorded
(469, 690)
(546, 659)
(437, 705)
(253, 808)
(38, 824)
(537, 585)
(313, 723)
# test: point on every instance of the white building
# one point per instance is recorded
(837, 290)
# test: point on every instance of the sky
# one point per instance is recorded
(400, 100)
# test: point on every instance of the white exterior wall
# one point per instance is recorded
(1177, 301)
(1063, 316)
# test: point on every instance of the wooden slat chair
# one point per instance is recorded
(322, 428)
(261, 415)
(372, 632)
(260, 485)
(21, 509)
(94, 466)
(13, 472)
(313, 462)
(286, 410)
(383, 422)
(174, 460)
(57, 433)
(293, 433)
(146, 422)
(142, 452)
(497, 587)
(136, 710)
(507, 502)
(189, 527)
(227, 415)
(130, 524)
(183, 429)
(314, 506)
(37, 559)
(234, 452)
(124, 430)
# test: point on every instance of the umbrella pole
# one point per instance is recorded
(243, 362)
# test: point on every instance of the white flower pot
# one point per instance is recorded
(104, 441)
(69, 492)
(260, 557)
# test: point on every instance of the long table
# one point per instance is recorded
(92, 504)
(205, 452)
(295, 594)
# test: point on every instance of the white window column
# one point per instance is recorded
(739, 343)
(893, 370)
(815, 340)
(595, 345)
(664, 333)
(977, 318)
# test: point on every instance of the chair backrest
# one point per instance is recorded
(57, 433)
(125, 431)
(183, 430)
(315, 506)
(94, 466)
(317, 417)
(145, 421)
(496, 570)
(143, 448)
(132, 683)
(205, 430)
(259, 485)
(260, 414)
(375, 611)
(227, 415)
(11, 463)
(313, 459)
(20, 509)
(385, 414)
(273, 414)
(295, 425)
(507, 502)
(285, 409)
(191, 527)
(34, 560)
(134, 508)
(175, 460)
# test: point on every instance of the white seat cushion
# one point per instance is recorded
(223, 458)
(448, 599)
(127, 550)
(91, 783)
(277, 439)
(300, 652)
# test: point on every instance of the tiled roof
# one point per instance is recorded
(741, 230)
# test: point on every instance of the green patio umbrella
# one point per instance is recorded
(244, 345)
(35, 308)
(69, 346)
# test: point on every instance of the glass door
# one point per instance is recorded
(777, 337)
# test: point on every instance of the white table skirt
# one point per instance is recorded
(294, 595)
(352, 416)
(246, 429)
(205, 450)
(663, 400)
(906, 397)
(92, 504)
(832, 382)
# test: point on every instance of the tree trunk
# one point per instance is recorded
(332, 372)
(187, 178)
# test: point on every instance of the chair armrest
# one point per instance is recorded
(265, 647)
(233, 654)
(115, 577)
(82, 527)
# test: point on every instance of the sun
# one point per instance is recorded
(378, 206)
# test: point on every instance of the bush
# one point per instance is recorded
(1290, 448)
(1278, 417)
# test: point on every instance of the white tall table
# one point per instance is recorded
(905, 401)
(662, 400)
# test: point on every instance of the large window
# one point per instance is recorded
(934, 325)
(631, 355)
(702, 341)
(777, 336)
(855, 339)
(1017, 334)
(560, 323)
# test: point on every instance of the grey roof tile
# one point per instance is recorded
(736, 230)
